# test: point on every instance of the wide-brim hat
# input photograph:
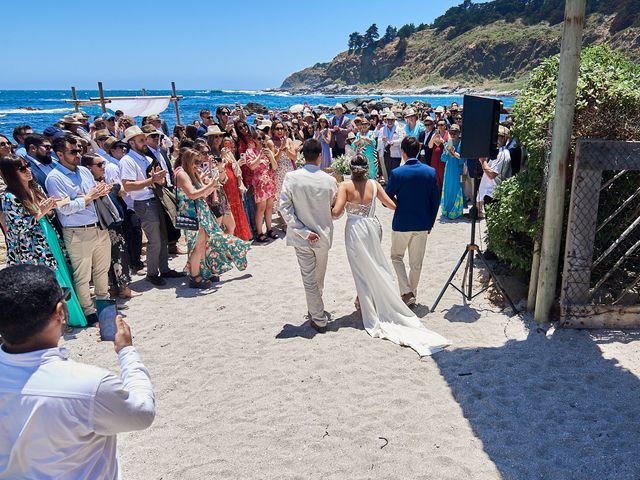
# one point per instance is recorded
(338, 105)
(132, 132)
(410, 112)
(323, 117)
(502, 130)
(214, 130)
(454, 128)
(439, 110)
(102, 134)
(374, 112)
(151, 130)
(391, 116)
(109, 143)
(70, 120)
(265, 124)
(428, 118)
(351, 135)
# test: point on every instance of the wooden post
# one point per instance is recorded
(144, 92)
(533, 279)
(174, 95)
(102, 102)
(561, 140)
(75, 98)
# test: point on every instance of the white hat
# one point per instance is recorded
(410, 113)
(264, 124)
(338, 105)
(439, 110)
(213, 130)
(131, 132)
(391, 116)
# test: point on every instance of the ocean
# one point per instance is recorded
(51, 106)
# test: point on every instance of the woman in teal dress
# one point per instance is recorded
(452, 202)
(366, 145)
(31, 239)
(211, 251)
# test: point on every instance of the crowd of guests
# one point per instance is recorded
(79, 196)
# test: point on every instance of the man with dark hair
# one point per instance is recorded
(60, 418)
(206, 120)
(88, 245)
(414, 188)
(39, 157)
(138, 184)
(19, 134)
(305, 204)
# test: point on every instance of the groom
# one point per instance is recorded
(414, 188)
(305, 204)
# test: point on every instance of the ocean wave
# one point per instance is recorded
(24, 111)
(245, 92)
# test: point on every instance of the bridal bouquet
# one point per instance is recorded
(340, 165)
(300, 160)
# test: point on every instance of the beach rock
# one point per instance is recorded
(253, 107)
(30, 109)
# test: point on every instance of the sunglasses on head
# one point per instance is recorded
(23, 168)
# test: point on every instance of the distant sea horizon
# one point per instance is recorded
(49, 105)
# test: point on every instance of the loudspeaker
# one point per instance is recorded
(480, 120)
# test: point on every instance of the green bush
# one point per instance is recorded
(607, 106)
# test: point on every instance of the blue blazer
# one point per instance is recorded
(414, 188)
(38, 174)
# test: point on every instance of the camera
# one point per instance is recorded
(217, 158)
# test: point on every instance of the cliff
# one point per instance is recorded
(495, 56)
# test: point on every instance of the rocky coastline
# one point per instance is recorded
(356, 90)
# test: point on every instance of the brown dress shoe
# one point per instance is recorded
(409, 299)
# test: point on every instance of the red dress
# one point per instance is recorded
(264, 178)
(242, 231)
(436, 161)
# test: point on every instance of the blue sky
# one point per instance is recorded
(204, 44)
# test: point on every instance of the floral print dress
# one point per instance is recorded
(264, 178)
(222, 251)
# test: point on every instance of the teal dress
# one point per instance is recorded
(31, 242)
(452, 202)
(369, 151)
(76, 316)
(222, 251)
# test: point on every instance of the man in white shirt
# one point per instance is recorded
(137, 183)
(495, 171)
(60, 418)
(389, 140)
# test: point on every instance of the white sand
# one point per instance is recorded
(244, 390)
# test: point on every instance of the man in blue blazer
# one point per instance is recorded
(414, 188)
(38, 156)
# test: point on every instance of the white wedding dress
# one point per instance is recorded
(384, 314)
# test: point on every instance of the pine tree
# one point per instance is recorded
(371, 35)
(389, 34)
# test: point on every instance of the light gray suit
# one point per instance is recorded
(305, 203)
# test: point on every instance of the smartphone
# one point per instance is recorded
(206, 167)
(62, 202)
(107, 311)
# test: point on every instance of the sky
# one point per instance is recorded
(205, 44)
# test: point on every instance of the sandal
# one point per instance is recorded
(262, 238)
(199, 282)
(272, 234)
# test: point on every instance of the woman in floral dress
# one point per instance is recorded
(284, 153)
(211, 252)
(31, 239)
(263, 166)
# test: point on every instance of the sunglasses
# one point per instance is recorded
(46, 147)
(225, 113)
(278, 128)
(210, 117)
(74, 151)
(5, 144)
(23, 168)
(66, 295)
(154, 135)
(99, 164)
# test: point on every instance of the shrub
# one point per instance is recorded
(607, 106)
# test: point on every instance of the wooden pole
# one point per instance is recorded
(75, 98)
(174, 94)
(144, 92)
(561, 140)
(102, 102)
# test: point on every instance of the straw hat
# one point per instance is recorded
(102, 134)
(264, 124)
(214, 130)
(502, 130)
(109, 143)
(374, 112)
(70, 120)
(338, 106)
(439, 110)
(132, 132)
(454, 128)
(391, 116)
(428, 119)
(151, 130)
(351, 136)
(410, 112)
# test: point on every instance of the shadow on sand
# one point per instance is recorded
(353, 320)
(549, 407)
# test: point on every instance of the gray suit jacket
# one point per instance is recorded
(305, 203)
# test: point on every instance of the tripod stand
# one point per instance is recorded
(470, 251)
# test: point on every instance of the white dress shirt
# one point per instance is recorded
(488, 185)
(59, 418)
(133, 167)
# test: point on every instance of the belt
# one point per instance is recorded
(84, 227)
(152, 199)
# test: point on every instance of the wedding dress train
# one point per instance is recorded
(384, 314)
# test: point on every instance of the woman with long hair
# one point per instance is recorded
(31, 239)
(211, 252)
(436, 144)
(245, 142)
(324, 134)
(452, 201)
(384, 314)
(263, 166)
(365, 144)
(234, 188)
(283, 151)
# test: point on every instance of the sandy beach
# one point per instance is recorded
(246, 390)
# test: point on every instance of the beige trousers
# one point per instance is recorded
(416, 243)
(313, 266)
(90, 253)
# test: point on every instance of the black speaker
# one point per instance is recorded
(480, 119)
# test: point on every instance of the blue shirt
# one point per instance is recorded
(62, 182)
(311, 167)
(20, 150)
(417, 130)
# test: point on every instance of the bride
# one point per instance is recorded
(384, 314)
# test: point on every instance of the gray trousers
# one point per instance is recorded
(313, 266)
(148, 211)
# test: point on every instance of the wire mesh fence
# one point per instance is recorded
(602, 258)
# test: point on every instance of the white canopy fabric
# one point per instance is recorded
(139, 106)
